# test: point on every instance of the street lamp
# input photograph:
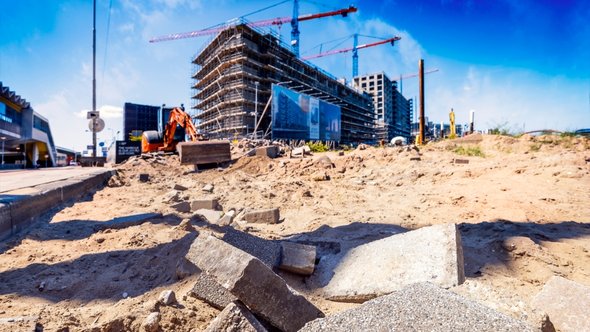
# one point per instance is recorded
(255, 108)
(3, 140)
(46, 158)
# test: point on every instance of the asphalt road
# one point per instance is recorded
(16, 179)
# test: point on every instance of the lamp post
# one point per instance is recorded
(255, 108)
(46, 159)
(3, 140)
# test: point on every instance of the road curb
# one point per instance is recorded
(20, 207)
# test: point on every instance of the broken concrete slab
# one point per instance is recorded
(183, 207)
(271, 151)
(203, 152)
(208, 290)
(254, 283)
(432, 254)
(270, 216)
(212, 216)
(297, 258)
(460, 161)
(210, 204)
(300, 151)
(208, 188)
(235, 317)
(419, 307)
(566, 303)
(180, 187)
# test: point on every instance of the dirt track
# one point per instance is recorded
(523, 210)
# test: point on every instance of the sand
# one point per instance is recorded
(523, 210)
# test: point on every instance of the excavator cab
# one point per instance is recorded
(168, 138)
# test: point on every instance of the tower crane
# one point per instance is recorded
(275, 21)
(354, 49)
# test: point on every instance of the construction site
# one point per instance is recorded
(286, 199)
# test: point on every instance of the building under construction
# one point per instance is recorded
(234, 73)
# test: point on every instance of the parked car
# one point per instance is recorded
(73, 163)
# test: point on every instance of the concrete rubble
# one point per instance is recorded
(419, 307)
(432, 254)
(566, 302)
(269, 216)
(253, 283)
(297, 258)
(211, 204)
(212, 216)
(235, 318)
(210, 291)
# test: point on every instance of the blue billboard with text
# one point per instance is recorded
(299, 116)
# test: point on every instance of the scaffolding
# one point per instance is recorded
(230, 65)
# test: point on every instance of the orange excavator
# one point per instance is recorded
(153, 141)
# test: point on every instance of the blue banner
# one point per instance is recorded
(299, 116)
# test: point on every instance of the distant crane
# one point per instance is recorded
(275, 21)
(354, 49)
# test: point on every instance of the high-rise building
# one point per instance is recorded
(392, 111)
(138, 118)
(234, 73)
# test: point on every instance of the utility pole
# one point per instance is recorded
(421, 139)
(94, 79)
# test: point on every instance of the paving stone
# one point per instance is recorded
(235, 318)
(419, 307)
(566, 302)
(212, 216)
(297, 258)
(270, 216)
(208, 290)
(210, 204)
(253, 283)
(432, 254)
(183, 207)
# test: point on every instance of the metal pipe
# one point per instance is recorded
(421, 139)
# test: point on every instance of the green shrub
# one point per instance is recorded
(473, 151)
(318, 147)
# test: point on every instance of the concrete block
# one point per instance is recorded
(144, 177)
(208, 290)
(301, 151)
(180, 187)
(419, 307)
(128, 221)
(460, 161)
(270, 216)
(566, 302)
(271, 151)
(297, 258)
(235, 317)
(433, 254)
(209, 204)
(203, 152)
(254, 283)
(212, 216)
(183, 207)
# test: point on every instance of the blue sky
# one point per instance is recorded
(524, 63)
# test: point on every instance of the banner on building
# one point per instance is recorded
(299, 116)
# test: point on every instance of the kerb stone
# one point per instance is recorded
(251, 281)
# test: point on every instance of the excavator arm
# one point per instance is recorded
(153, 141)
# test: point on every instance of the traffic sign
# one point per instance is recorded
(96, 125)
(92, 115)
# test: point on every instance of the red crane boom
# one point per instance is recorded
(274, 21)
(344, 50)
